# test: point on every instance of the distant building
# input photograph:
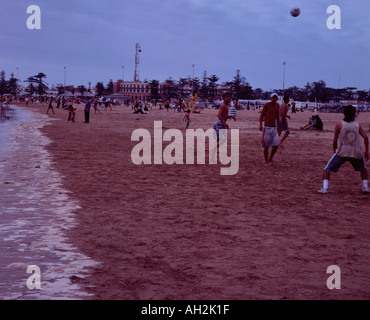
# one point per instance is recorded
(137, 90)
(142, 90)
(132, 90)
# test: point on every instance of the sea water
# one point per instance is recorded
(36, 212)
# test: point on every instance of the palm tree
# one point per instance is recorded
(212, 86)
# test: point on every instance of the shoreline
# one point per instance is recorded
(185, 232)
(35, 212)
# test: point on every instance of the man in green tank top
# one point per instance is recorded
(347, 147)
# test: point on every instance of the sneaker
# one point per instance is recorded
(366, 190)
(323, 190)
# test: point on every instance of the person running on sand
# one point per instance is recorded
(187, 118)
(283, 119)
(95, 105)
(271, 130)
(347, 147)
(50, 106)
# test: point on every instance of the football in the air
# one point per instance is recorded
(295, 12)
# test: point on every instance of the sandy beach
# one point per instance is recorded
(186, 232)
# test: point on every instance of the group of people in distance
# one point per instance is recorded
(314, 123)
(346, 144)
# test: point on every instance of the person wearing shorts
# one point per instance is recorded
(283, 119)
(217, 127)
(223, 116)
(270, 137)
(220, 124)
(347, 148)
(336, 162)
(271, 130)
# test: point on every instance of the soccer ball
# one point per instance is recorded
(295, 12)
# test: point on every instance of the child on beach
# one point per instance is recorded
(187, 118)
(72, 112)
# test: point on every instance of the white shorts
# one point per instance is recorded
(270, 137)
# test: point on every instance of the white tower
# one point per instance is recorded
(138, 50)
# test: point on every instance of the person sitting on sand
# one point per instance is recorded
(318, 123)
(310, 124)
(140, 109)
(315, 123)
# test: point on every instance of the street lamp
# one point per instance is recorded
(17, 83)
(65, 76)
(123, 67)
(192, 90)
(284, 63)
(340, 78)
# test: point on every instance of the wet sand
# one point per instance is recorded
(35, 212)
(186, 232)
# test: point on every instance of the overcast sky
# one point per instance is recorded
(94, 39)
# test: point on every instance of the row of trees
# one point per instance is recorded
(37, 85)
(207, 88)
(8, 86)
(318, 91)
(100, 88)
